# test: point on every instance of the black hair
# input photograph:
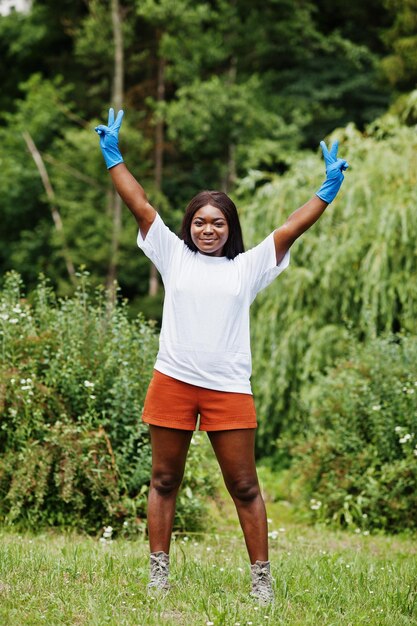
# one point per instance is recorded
(234, 244)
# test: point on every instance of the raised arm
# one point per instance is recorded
(126, 185)
(304, 217)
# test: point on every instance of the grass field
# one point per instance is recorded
(322, 577)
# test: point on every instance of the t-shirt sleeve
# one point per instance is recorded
(260, 265)
(159, 244)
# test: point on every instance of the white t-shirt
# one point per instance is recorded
(205, 337)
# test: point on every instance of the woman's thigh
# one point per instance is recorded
(235, 452)
(169, 449)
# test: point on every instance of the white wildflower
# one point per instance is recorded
(108, 531)
(405, 438)
(88, 384)
(376, 407)
(315, 505)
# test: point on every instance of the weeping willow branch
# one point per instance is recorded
(51, 197)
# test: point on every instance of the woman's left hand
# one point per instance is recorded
(334, 173)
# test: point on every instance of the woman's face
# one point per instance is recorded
(209, 230)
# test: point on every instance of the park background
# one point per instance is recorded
(233, 95)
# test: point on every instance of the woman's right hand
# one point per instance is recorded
(109, 139)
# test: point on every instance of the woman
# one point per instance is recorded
(203, 365)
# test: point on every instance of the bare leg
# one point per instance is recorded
(235, 451)
(169, 452)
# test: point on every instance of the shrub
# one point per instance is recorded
(356, 462)
(73, 377)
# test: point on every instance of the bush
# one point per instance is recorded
(73, 377)
(356, 463)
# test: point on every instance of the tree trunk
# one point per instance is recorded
(230, 174)
(159, 156)
(51, 197)
(117, 102)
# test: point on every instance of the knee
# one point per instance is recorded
(245, 490)
(166, 483)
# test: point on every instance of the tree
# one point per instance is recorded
(400, 66)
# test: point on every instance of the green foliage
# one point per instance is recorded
(26, 226)
(208, 117)
(400, 66)
(39, 41)
(356, 455)
(73, 376)
(81, 187)
(353, 272)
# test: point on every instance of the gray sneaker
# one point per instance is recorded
(159, 572)
(262, 582)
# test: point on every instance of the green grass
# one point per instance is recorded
(322, 578)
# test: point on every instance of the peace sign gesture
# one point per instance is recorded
(334, 175)
(330, 157)
(109, 139)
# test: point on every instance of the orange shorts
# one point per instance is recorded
(174, 404)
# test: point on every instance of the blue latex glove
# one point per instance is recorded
(334, 168)
(109, 139)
